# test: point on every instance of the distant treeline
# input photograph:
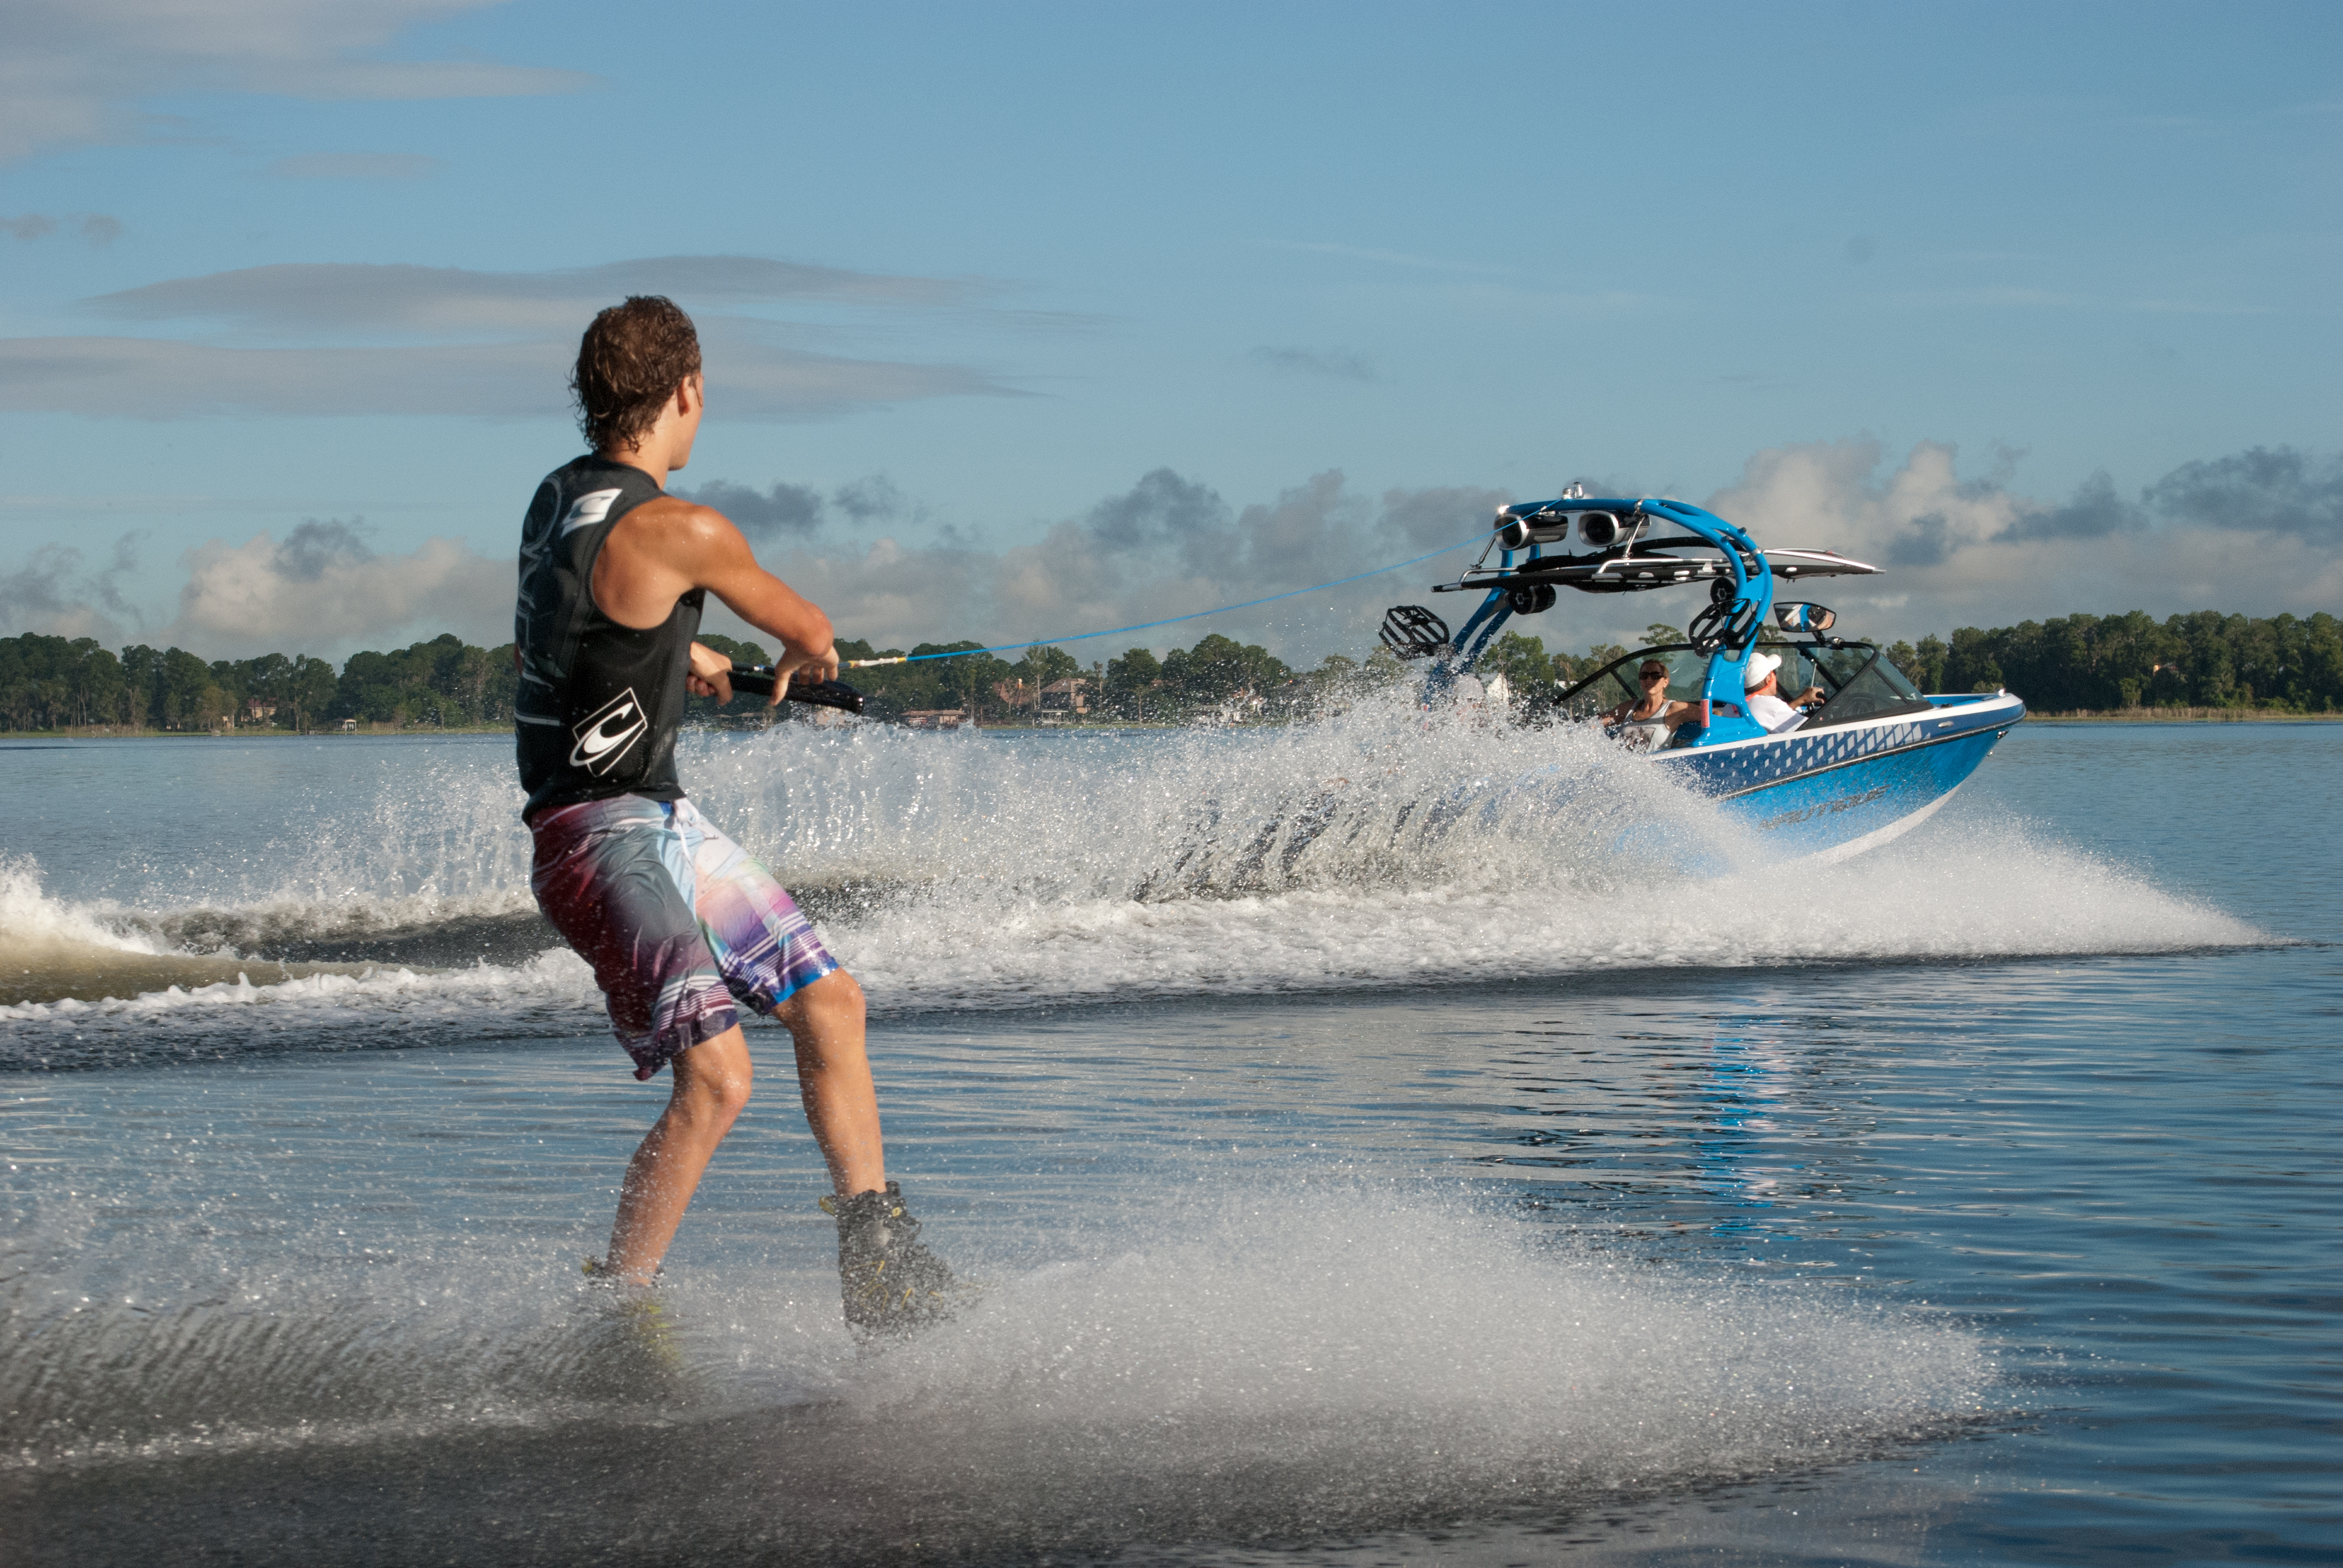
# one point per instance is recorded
(2085, 663)
(2078, 663)
(50, 683)
(1219, 672)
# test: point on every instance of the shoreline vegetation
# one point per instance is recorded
(118, 732)
(2201, 667)
(2184, 716)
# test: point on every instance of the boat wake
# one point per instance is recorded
(1385, 848)
(1292, 1357)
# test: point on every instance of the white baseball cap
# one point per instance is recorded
(1761, 665)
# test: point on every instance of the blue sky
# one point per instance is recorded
(1043, 318)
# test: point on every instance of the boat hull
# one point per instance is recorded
(1841, 791)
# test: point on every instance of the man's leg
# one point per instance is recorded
(711, 1087)
(841, 1105)
(765, 947)
(888, 1283)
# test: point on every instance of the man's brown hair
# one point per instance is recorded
(630, 362)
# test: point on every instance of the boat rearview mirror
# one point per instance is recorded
(1804, 617)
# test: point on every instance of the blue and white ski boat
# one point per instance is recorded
(1873, 758)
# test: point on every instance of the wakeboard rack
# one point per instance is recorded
(1411, 631)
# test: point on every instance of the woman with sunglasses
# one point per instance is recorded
(1643, 721)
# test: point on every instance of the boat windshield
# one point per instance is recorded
(1862, 683)
(1857, 680)
(1617, 682)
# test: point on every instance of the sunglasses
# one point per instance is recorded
(1653, 674)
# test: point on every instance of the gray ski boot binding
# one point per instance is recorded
(892, 1286)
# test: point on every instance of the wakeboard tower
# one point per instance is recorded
(1875, 760)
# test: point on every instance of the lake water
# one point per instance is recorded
(1475, 1191)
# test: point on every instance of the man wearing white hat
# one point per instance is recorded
(1765, 704)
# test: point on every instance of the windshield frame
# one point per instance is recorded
(1694, 659)
(1687, 668)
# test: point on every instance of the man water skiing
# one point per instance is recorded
(680, 924)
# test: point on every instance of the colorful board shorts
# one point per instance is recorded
(678, 921)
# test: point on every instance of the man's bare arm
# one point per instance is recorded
(664, 548)
(711, 674)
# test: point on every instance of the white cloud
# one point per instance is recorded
(72, 69)
(782, 509)
(322, 590)
(54, 594)
(1168, 546)
(505, 342)
(162, 379)
(891, 593)
(157, 379)
(1829, 496)
(2253, 533)
(2250, 533)
(303, 298)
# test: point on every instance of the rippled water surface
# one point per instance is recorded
(1426, 1187)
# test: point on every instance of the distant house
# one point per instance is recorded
(350, 726)
(1072, 694)
(255, 711)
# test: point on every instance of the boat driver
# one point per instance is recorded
(1760, 684)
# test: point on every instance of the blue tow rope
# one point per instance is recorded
(1174, 621)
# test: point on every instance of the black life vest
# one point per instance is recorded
(599, 703)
